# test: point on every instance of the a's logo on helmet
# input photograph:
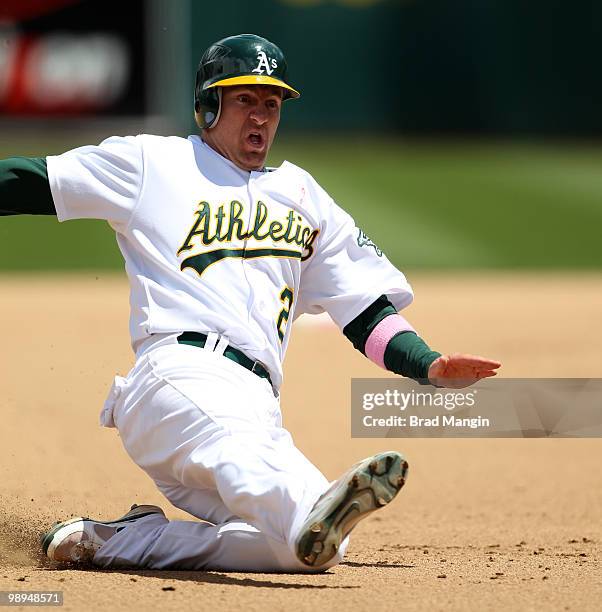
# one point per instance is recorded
(264, 63)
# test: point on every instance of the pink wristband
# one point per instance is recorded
(377, 342)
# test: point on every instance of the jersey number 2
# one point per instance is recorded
(286, 297)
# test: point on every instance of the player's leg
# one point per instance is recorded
(178, 445)
(204, 504)
(240, 451)
(144, 538)
(233, 545)
(251, 451)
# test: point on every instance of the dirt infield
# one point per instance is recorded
(498, 524)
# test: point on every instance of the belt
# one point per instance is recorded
(198, 339)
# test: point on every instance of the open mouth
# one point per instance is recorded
(255, 139)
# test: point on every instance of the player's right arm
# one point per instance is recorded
(24, 187)
(91, 182)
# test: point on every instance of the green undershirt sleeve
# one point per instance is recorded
(407, 354)
(24, 187)
(358, 330)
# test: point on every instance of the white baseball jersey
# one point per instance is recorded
(209, 247)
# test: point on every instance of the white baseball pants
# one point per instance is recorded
(209, 433)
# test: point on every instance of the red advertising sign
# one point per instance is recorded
(67, 57)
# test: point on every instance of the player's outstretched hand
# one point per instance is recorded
(457, 370)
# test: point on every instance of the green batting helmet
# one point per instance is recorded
(245, 59)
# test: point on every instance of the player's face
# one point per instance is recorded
(247, 125)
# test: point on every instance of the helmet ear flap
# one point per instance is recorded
(207, 107)
(197, 92)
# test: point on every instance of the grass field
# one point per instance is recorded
(427, 204)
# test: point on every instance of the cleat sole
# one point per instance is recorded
(371, 484)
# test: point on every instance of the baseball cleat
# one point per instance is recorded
(78, 539)
(366, 487)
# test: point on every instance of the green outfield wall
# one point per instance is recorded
(428, 66)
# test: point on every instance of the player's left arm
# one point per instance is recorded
(24, 187)
(343, 275)
(388, 339)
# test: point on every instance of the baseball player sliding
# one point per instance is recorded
(222, 255)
